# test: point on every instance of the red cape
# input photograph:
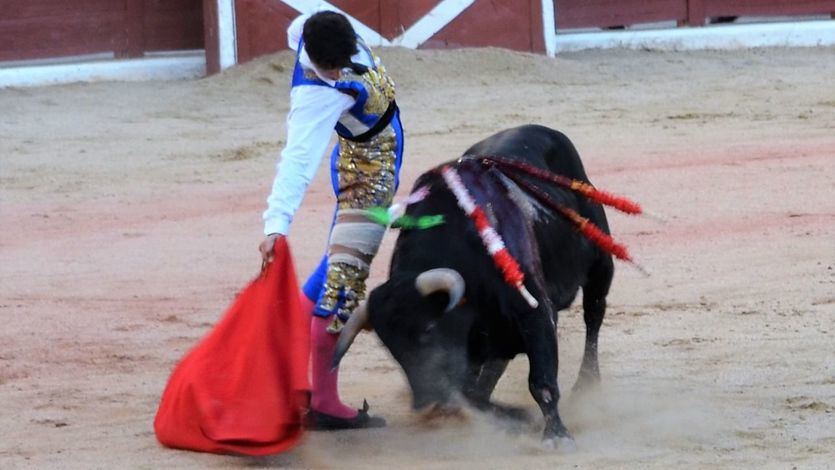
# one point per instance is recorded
(243, 388)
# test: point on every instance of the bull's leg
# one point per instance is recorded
(594, 308)
(489, 376)
(541, 347)
(479, 388)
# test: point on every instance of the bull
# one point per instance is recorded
(447, 315)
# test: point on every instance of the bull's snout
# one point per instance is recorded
(432, 384)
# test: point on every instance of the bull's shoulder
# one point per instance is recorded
(518, 141)
(537, 145)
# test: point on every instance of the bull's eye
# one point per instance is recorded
(431, 326)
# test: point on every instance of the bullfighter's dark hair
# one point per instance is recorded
(329, 40)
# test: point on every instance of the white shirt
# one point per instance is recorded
(314, 111)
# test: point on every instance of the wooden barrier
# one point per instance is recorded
(261, 27)
(609, 13)
(36, 29)
(513, 24)
(714, 8)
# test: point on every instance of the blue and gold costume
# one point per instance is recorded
(364, 173)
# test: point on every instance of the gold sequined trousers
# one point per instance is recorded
(366, 174)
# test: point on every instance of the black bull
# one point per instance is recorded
(453, 337)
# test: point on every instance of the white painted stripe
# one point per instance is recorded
(60, 60)
(426, 27)
(227, 33)
(170, 67)
(743, 36)
(371, 37)
(429, 25)
(549, 27)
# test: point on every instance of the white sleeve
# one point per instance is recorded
(295, 30)
(314, 111)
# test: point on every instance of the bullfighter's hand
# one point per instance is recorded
(266, 247)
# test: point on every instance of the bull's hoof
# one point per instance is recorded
(564, 444)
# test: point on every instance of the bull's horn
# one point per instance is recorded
(441, 279)
(357, 322)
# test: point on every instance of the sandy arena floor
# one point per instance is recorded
(131, 215)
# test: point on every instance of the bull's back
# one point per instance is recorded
(549, 149)
(538, 145)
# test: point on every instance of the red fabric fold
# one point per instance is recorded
(243, 388)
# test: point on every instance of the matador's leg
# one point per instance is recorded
(354, 242)
(366, 179)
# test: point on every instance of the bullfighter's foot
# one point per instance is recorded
(318, 421)
(561, 443)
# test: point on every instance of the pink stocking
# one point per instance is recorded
(325, 393)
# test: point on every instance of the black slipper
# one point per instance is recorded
(318, 421)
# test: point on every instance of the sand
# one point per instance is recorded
(131, 216)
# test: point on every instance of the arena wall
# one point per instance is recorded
(235, 31)
(48, 29)
(612, 13)
(524, 25)
(514, 24)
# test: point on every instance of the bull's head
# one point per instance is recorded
(420, 320)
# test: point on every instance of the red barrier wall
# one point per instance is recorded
(605, 13)
(766, 7)
(32, 29)
(261, 27)
(35, 29)
(514, 24)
